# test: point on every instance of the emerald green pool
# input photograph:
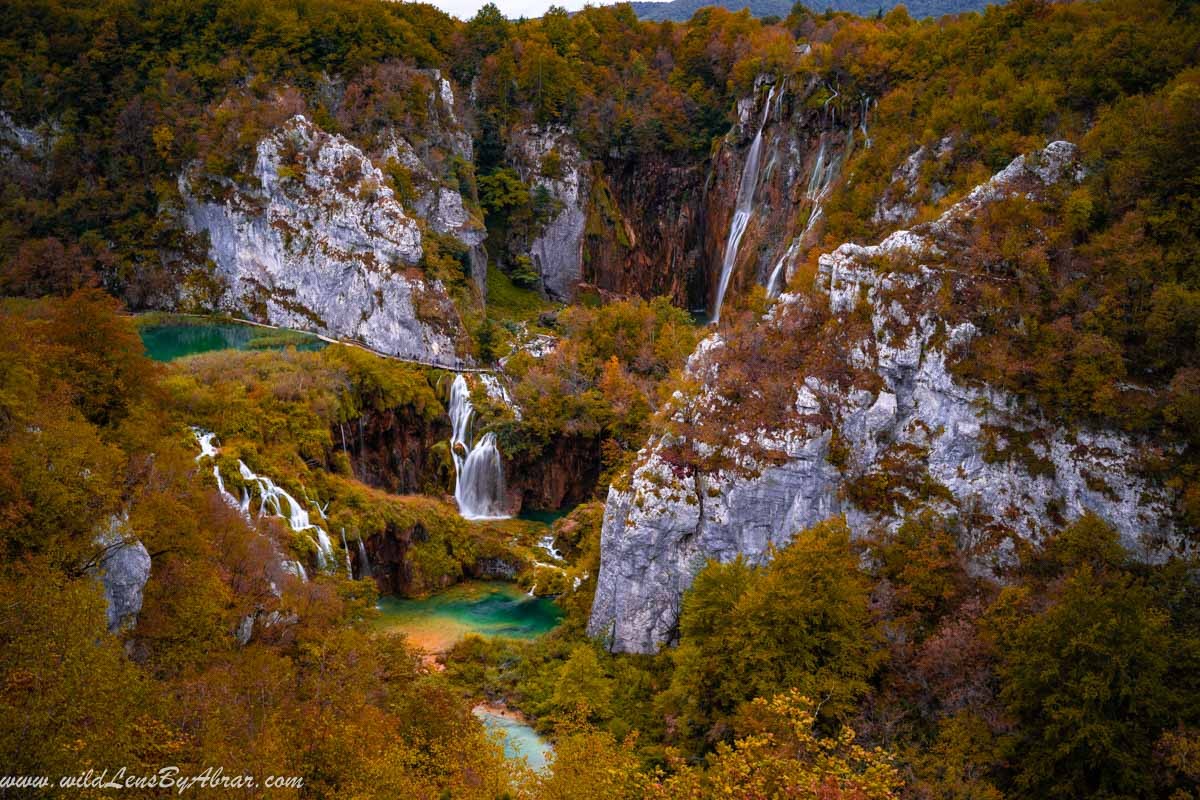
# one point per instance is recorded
(544, 517)
(171, 341)
(488, 608)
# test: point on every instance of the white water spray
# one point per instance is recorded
(346, 550)
(479, 472)
(272, 497)
(743, 210)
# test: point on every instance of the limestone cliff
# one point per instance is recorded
(549, 160)
(319, 242)
(434, 161)
(877, 427)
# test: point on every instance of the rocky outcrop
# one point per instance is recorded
(899, 202)
(395, 449)
(387, 554)
(124, 569)
(441, 199)
(321, 243)
(562, 474)
(549, 160)
(644, 231)
(903, 434)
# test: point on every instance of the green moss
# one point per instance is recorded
(507, 301)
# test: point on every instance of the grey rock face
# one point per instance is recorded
(439, 202)
(661, 529)
(557, 254)
(898, 205)
(124, 570)
(322, 244)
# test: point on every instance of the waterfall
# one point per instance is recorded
(209, 450)
(272, 497)
(820, 181)
(346, 550)
(743, 210)
(479, 488)
(364, 563)
(547, 544)
(205, 438)
(225, 495)
(497, 391)
(862, 125)
(478, 471)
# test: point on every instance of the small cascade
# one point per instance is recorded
(547, 544)
(208, 449)
(346, 550)
(205, 438)
(820, 181)
(364, 563)
(225, 494)
(272, 499)
(743, 210)
(497, 391)
(862, 124)
(479, 471)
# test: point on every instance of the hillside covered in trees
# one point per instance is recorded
(683, 10)
(828, 383)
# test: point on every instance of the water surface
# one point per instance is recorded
(520, 740)
(488, 608)
(543, 516)
(170, 341)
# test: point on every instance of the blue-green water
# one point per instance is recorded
(488, 608)
(520, 740)
(544, 517)
(171, 341)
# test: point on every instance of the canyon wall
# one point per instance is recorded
(897, 434)
(321, 243)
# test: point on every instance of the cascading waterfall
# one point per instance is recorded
(272, 500)
(479, 471)
(496, 390)
(272, 497)
(547, 544)
(744, 208)
(346, 550)
(862, 124)
(820, 181)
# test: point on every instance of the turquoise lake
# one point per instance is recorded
(171, 341)
(488, 608)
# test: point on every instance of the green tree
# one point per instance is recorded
(1085, 681)
(800, 622)
(583, 691)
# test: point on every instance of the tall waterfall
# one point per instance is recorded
(479, 473)
(743, 210)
